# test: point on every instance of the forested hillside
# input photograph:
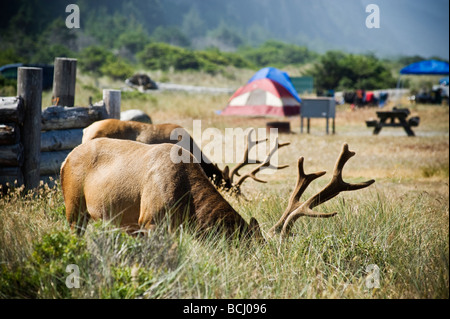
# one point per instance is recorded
(408, 27)
(116, 37)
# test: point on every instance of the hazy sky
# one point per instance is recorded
(407, 27)
(420, 26)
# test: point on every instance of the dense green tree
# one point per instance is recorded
(56, 41)
(92, 58)
(107, 28)
(133, 40)
(326, 71)
(227, 36)
(162, 56)
(8, 56)
(213, 60)
(193, 25)
(35, 31)
(277, 53)
(171, 35)
(338, 70)
(99, 61)
(48, 53)
(256, 34)
(116, 68)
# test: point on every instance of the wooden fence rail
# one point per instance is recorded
(34, 143)
(11, 148)
(62, 131)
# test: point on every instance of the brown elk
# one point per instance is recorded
(138, 186)
(154, 134)
(172, 133)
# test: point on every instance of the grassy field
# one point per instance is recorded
(400, 224)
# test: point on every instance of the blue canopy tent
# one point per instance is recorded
(426, 67)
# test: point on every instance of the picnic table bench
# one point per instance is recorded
(395, 118)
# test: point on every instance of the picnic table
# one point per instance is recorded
(395, 118)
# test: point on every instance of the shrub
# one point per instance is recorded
(91, 59)
(133, 40)
(277, 53)
(9, 56)
(48, 53)
(99, 61)
(338, 70)
(172, 35)
(116, 68)
(44, 273)
(162, 56)
(237, 60)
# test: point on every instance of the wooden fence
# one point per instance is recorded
(35, 142)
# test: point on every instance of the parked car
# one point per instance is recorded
(9, 71)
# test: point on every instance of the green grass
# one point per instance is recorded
(407, 240)
(400, 224)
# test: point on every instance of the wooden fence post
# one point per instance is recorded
(64, 79)
(29, 89)
(112, 98)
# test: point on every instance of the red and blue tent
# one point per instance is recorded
(269, 92)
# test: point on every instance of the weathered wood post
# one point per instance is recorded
(64, 79)
(29, 89)
(111, 98)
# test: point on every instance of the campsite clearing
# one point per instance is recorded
(400, 224)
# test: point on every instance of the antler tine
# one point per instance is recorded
(264, 163)
(332, 189)
(337, 184)
(249, 143)
(303, 181)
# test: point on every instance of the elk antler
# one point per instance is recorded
(297, 209)
(303, 181)
(249, 143)
(264, 163)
